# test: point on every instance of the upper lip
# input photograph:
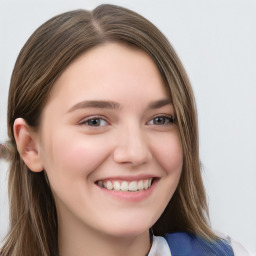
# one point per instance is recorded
(128, 178)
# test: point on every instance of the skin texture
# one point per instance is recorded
(124, 141)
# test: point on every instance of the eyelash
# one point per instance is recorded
(86, 121)
(168, 119)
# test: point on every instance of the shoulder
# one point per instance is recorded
(187, 244)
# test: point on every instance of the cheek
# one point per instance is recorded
(169, 153)
(74, 155)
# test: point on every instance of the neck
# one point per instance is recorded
(77, 239)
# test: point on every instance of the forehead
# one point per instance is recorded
(110, 69)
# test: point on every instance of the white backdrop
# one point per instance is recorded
(216, 40)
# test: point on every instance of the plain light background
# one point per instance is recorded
(216, 41)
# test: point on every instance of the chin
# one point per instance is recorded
(130, 228)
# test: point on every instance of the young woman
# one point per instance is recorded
(103, 143)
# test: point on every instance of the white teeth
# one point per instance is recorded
(140, 185)
(109, 185)
(146, 184)
(133, 186)
(125, 186)
(117, 185)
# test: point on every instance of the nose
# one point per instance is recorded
(132, 147)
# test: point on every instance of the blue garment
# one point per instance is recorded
(186, 244)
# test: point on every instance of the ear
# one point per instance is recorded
(26, 140)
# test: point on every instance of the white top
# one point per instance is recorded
(160, 247)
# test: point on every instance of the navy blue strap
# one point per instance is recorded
(186, 244)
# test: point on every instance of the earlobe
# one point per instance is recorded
(27, 145)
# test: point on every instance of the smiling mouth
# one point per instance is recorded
(126, 186)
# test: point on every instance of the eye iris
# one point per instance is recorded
(94, 122)
(159, 120)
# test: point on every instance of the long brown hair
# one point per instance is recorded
(46, 54)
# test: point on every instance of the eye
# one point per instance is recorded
(94, 122)
(161, 120)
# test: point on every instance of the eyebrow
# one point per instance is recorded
(95, 104)
(114, 105)
(160, 103)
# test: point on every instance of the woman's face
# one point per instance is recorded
(106, 134)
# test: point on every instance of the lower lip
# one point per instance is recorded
(130, 196)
